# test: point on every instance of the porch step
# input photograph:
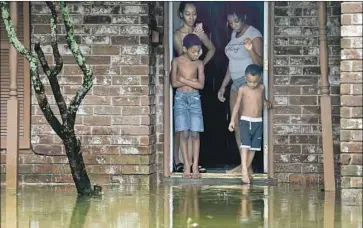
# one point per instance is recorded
(256, 176)
(219, 178)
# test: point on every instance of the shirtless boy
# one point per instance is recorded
(187, 75)
(249, 104)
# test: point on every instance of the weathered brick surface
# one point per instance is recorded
(296, 70)
(351, 111)
(116, 121)
(156, 60)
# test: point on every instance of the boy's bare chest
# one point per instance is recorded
(252, 95)
(187, 69)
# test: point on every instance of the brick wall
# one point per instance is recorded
(156, 12)
(116, 122)
(296, 79)
(351, 100)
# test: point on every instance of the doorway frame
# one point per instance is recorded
(267, 77)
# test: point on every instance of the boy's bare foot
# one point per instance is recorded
(186, 173)
(250, 172)
(245, 178)
(235, 170)
(196, 173)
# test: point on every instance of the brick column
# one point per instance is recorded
(351, 101)
(296, 77)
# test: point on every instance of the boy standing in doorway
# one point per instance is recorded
(187, 76)
(249, 104)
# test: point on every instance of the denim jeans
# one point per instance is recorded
(188, 112)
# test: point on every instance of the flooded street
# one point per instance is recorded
(172, 206)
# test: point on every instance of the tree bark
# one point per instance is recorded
(83, 184)
(65, 130)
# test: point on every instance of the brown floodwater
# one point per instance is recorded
(178, 205)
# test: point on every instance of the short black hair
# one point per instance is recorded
(236, 10)
(254, 70)
(191, 40)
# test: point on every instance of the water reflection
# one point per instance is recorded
(80, 211)
(171, 206)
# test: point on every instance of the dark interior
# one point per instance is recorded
(218, 146)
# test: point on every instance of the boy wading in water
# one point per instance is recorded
(249, 104)
(187, 75)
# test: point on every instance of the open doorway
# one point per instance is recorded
(218, 149)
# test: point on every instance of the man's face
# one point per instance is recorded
(253, 81)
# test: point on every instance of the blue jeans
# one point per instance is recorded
(188, 112)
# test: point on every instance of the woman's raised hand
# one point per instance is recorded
(221, 95)
(198, 30)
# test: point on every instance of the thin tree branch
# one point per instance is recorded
(53, 81)
(54, 41)
(86, 69)
(54, 71)
(37, 83)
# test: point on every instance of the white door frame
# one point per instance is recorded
(265, 82)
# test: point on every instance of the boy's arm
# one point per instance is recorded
(266, 102)
(237, 104)
(174, 81)
(199, 84)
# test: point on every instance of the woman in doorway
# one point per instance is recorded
(188, 13)
(244, 48)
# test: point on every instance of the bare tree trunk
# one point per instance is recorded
(78, 169)
(64, 130)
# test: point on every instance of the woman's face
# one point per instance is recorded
(190, 15)
(235, 22)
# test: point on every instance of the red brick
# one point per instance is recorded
(351, 147)
(352, 7)
(82, 130)
(107, 110)
(351, 65)
(135, 70)
(127, 60)
(106, 70)
(106, 90)
(351, 101)
(105, 149)
(70, 80)
(105, 50)
(351, 77)
(135, 130)
(96, 100)
(48, 149)
(126, 101)
(351, 135)
(97, 120)
(126, 80)
(126, 120)
(351, 54)
(355, 112)
(351, 89)
(37, 178)
(113, 130)
(129, 110)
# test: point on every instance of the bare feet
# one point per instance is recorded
(196, 173)
(186, 173)
(245, 178)
(250, 172)
(235, 170)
